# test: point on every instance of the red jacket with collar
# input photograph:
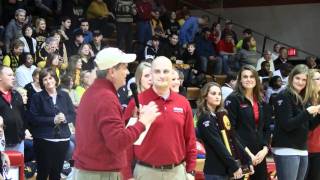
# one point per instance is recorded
(101, 136)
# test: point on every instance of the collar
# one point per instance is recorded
(47, 96)
(227, 85)
(104, 83)
(154, 96)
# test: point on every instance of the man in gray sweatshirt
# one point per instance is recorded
(14, 28)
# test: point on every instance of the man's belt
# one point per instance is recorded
(162, 167)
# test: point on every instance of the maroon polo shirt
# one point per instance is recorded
(171, 138)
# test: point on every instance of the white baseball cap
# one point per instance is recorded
(110, 57)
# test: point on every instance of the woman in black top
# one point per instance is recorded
(250, 117)
(293, 120)
(50, 112)
(219, 162)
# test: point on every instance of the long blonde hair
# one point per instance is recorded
(202, 101)
(304, 96)
(38, 20)
(138, 74)
(314, 90)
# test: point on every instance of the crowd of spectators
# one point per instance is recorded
(65, 36)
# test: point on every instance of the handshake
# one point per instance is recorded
(314, 110)
(60, 118)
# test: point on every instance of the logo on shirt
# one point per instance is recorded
(227, 102)
(280, 102)
(243, 106)
(177, 110)
(206, 123)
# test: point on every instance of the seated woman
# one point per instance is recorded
(50, 112)
(220, 163)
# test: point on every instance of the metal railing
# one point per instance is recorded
(266, 41)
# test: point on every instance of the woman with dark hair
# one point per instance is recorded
(87, 57)
(30, 44)
(53, 62)
(247, 55)
(293, 120)
(220, 163)
(74, 69)
(250, 117)
(275, 86)
(61, 48)
(50, 112)
(172, 26)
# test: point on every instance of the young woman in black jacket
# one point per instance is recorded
(219, 164)
(293, 120)
(250, 117)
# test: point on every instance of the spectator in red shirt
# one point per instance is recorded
(227, 50)
(101, 136)
(144, 31)
(168, 149)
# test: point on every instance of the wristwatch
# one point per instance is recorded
(193, 173)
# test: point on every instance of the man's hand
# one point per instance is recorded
(238, 174)
(148, 113)
(6, 159)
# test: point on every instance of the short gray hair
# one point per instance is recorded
(18, 11)
(101, 74)
(104, 73)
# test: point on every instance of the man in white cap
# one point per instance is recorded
(101, 136)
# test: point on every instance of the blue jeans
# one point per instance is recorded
(291, 167)
(215, 177)
(144, 31)
(217, 64)
(229, 62)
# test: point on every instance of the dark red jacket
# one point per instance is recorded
(314, 141)
(101, 136)
(144, 10)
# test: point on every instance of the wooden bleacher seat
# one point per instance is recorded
(209, 78)
(221, 79)
(193, 93)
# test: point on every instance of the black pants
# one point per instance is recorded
(50, 157)
(313, 167)
(124, 36)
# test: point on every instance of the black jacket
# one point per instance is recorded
(168, 50)
(241, 115)
(42, 112)
(292, 122)
(13, 116)
(218, 160)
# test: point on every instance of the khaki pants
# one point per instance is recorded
(147, 173)
(95, 175)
